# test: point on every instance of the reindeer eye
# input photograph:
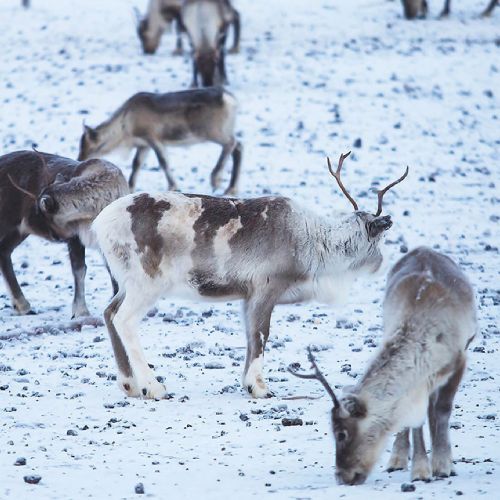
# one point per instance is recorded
(341, 436)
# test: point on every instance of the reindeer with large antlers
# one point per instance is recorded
(429, 320)
(265, 251)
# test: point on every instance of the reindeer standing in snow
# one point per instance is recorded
(150, 121)
(419, 8)
(266, 251)
(55, 198)
(429, 320)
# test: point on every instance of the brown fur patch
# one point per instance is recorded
(146, 213)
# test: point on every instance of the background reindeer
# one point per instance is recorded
(266, 251)
(162, 14)
(206, 22)
(148, 121)
(429, 320)
(55, 198)
(419, 8)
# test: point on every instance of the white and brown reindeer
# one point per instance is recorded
(57, 199)
(151, 121)
(206, 23)
(419, 8)
(429, 320)
(162, 14)
(265, 251)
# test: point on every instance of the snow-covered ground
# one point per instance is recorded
(313, 78)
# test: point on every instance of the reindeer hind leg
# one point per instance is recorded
(442, 465)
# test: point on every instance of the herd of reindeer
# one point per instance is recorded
(264, 251)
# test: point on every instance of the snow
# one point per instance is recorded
(312, 78)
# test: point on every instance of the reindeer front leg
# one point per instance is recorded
(400, 452)
(77, 257)
(178, 34)
(257, 312)
(125, 317)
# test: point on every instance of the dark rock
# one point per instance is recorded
(139, 489)
(71, 432)
(288, 422)
(20, 461)
(34, 479)
(407, 487)
(358, 143)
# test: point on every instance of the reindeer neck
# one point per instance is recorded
(111, 132)
(337, 241)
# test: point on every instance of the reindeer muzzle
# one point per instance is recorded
(379, 225)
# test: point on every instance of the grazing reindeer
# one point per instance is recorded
(429, 320)
(206, 22)
(419, 8)
(148, 121)
(55, 198)
(266, 251)
(160, 16)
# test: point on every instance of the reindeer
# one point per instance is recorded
(419, 8)
(57, 199)
(148, 121)
(206, 22)
(160, 17)
(429, 321)
(265, 251)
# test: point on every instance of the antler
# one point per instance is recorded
(337, 177)
(317, 375)
(381, 192)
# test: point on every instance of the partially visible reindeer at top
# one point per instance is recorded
(206, 22)
(419, 8)
(162, 14)
(57, 199)
(150, 121)
(429, 321)
(265, 251)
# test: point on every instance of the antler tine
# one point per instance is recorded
(317, 375)
(381, 192)
(336, 174)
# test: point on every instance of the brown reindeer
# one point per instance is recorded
(150, 121)
(264, 251)
(57, 199)
(429, 320)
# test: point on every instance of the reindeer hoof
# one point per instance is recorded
(22, 306)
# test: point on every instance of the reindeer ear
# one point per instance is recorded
(353, 406)
(90, 132)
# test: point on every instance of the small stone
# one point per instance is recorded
(479, 349)
(71, 432)
(214, 366)
(407, 487)
(34, 479)
(288, 422)
(243, 417)
(139, 489)
(358, 143)
(20, 461)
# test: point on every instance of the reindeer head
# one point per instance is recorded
(207, 61)
(90, 143)
(149, 37)
(363, 244)
(356, 449)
